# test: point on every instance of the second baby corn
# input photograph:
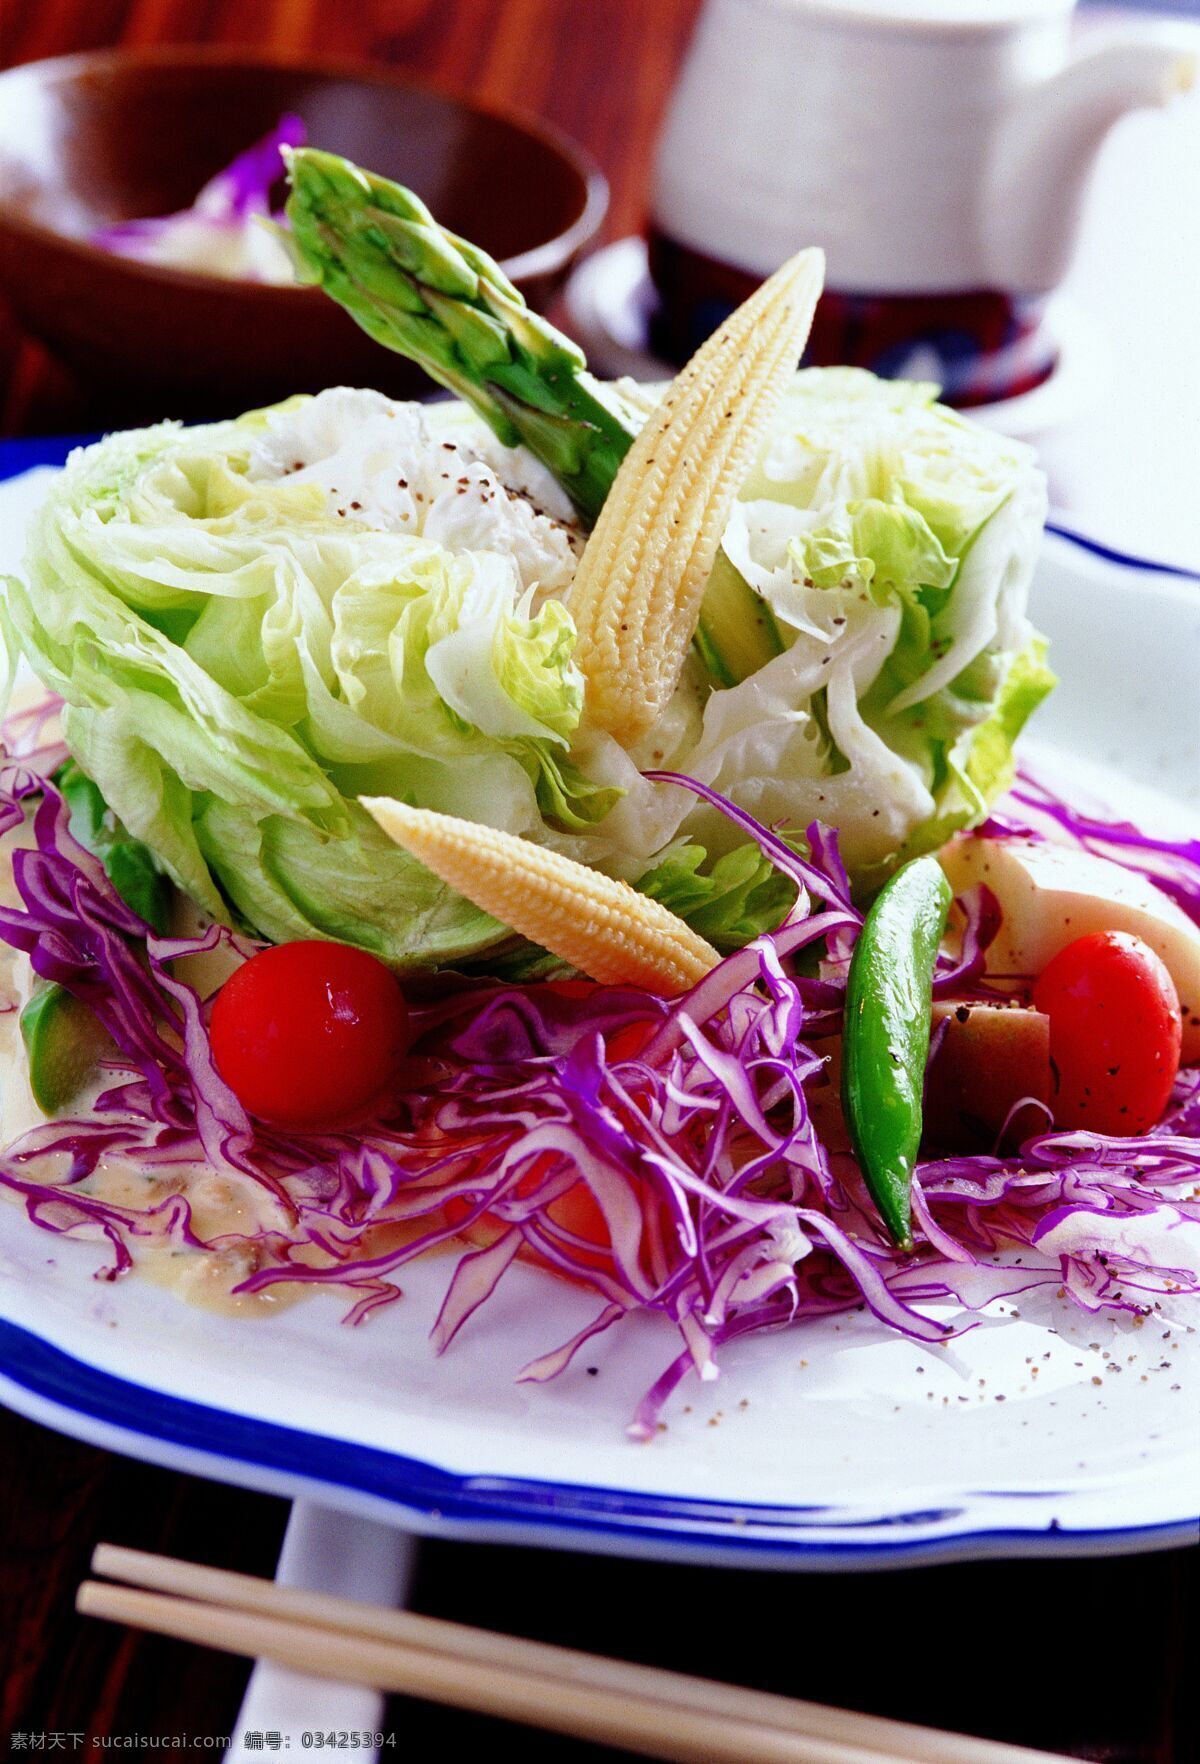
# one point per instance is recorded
(599, 925)
(636, 595)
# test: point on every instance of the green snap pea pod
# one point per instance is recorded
(886, 1044)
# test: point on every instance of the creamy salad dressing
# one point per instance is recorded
(18, 1111)
(222, 1204)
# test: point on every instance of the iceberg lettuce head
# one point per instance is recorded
(891, 543)
(242, 654)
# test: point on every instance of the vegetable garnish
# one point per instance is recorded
(344, 596)
(595, 922)
(866, 612)
(636, 595)
(688, 1123)
(220, 234)
(310, 1034)
(886, 1034)
(1114, 1032)
(374, 247)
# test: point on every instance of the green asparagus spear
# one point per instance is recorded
(420, 290)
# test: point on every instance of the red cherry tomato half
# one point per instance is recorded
(1114, 1033)
(309, 1034)
(576, 1211)
(625, 1043)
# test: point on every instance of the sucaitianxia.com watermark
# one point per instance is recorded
(56, 1741)
(253, 1740)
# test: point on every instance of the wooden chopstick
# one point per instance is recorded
(645, 1709)
(638, 1724)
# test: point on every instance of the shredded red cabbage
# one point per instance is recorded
(686, 1125)
(33, 734)
(232, 197)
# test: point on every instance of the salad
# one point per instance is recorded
(221, 233)
(578, 824)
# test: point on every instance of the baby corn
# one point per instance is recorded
(636, 595)
(603, 927)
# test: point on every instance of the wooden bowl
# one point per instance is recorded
(89, 139)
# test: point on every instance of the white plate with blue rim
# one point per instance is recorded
(834, 1445)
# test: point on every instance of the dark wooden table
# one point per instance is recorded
(1084, 1657)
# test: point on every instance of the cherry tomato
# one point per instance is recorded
(576, 1211)
(625, 1043)
(1114, 1033)
(309, 1034)
(569, 988)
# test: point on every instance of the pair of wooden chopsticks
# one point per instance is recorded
(643, 1709)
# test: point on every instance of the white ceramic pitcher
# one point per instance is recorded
(934, 148)
(925, 144)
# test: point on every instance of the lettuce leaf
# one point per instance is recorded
(893, 542)
(980, 764)
(737, 898)
(888, 547)
(242, 656)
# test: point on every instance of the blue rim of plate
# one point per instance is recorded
(244, 1449)
(1124, 559)
(519, 1509)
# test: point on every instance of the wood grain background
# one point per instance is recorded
(1093, 1658)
